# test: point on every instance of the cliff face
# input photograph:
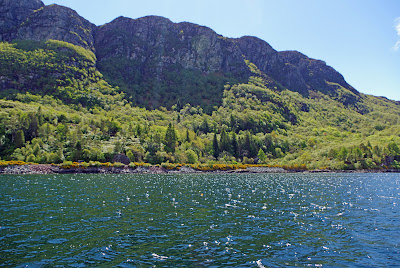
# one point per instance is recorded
(184, 60)
(149, 46)
(31, 20)
(158, 62)
(58, 23)
(158, 39)
(13, 13)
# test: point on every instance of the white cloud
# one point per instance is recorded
(397, 22)
(396, 47)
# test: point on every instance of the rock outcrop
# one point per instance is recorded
(58, 23)
(13, 13)
(31, 20)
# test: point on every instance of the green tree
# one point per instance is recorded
(130, 155)
(234, 145)
(19, 140)
(31, 158)
(215, 146)
(62, 131)
(36, 150)
(138, 131)
(187, 135)
(78, 151)
(261, 155)
(278, 152)
(170, 139)
(33, 129)
(342, 154)
(394, 150)
(205, 128)
(191, 156)
(225, 143)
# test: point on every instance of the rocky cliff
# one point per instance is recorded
(161, 63)
(13, 13)
(31, 20)
(58, 23)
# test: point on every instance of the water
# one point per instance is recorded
(206, 220)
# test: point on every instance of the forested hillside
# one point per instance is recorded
(161, 92)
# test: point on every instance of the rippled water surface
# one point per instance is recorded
(207, 220)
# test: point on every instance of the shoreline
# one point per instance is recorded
(51, 169)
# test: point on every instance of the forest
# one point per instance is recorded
(56, 107)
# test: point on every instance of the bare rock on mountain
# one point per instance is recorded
(58, 23)
(13, 13)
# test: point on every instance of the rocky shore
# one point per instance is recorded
(50, 169)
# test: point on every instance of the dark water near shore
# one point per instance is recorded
(206, 220)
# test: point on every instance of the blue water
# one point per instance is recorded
(206, 220)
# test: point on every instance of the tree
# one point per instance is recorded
(278, 152)
(215, 146)
(247, 148)
(36, 150)
(191, 156)
(130, 155)
(187, 135)
(62, 131)
(358, 155)
(342, 154)
(113, 127)
(225, 143)
(39, 116)
(233, 123)
(138, 131)
(78, 150)
(118, 147)
(235, 145)
(394, 150)
(19, 140)
(205, 128)
(170, 139)
(261, 155)
(33, 129)
(31, 158)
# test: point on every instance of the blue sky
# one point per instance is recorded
(359, 38)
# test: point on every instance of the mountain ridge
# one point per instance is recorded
(149, 47)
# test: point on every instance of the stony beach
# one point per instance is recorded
(52, 169)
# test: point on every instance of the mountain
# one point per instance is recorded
(72, 90)
(160, 63)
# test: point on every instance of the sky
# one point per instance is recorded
(359, 38)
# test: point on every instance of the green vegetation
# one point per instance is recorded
(173, 87)
(57, 108)
(53, 68)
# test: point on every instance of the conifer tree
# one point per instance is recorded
(235, 145)
(215, 146)
(19, 140)
(187, 135)
(225, 143)
(33, 129)
(170, 139)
